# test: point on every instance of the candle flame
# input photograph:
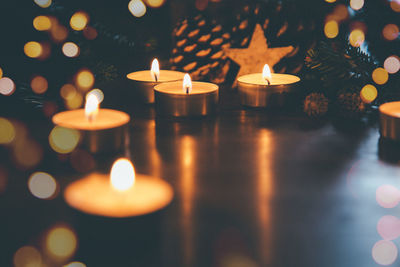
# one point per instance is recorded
(266, 74)
(155, 69)
(122, 176)
(91, 107)
(187, 84)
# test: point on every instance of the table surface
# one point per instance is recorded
(252, 188)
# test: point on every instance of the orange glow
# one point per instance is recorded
(85, 79)
(27, 153)
(90, 33)
(356, 37)
(330, 1)
(59, 33)
(27, 256)
(380, 76)
(75, 101)
(122, 176)
(75, 264)
(42, 185)
(187, 84)
(42, 23)
(390, 32)
(155, 3)
(98, 93)
(70, 49)
(7, 131)
(7, 86)
(384, 252)
(356, 4)
(266, 74)
(79, 20)
(331, 29)
(395, 5)
(43, 3)
(137, 8)
(368, 93)
(39, 84)
(391, 64)
(63, 140)
(33, 49)
(91, 107)
(61, 242)
(1, 73)
(68, 91)
(155, 69)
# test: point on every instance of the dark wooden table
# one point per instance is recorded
(252, 188)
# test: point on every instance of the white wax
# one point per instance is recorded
(176, 88)
(165, 76)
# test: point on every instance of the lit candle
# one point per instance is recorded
(101, 129)
(267, 89)
(144, 81)
(120, 194)
(187, 98)
(390, 120)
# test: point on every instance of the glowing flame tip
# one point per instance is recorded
(91, 107)
(187, 84)
(155, 69)
(266, 74)
(122, 176)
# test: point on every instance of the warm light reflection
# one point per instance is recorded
(43, 3)
(380, 76)
(68, 91)
(122, 176)
(97, 93)
(7, 131)
(390, 32)
(384, 252)
(356, 37)
(155, 3)
(137, 8)
(42, 23)
(39, 84)
(155, 69)
(75, 264)
(91, 107)
(85, 79)
(356, 4)
(395, 5)
(33, 49)
(79, 20)
(42, 185)
(368, 93)
(7, 86)
(1, 73)
(75, 101)
(61, 242)
(187, 84)
(63, 140)
(330, 1)
(388, 227)
(388, 196)
(27, 256)
(331, 29)
(70, 49)
(266, 74)
(391, 64)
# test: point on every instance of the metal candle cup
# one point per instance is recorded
(106, 133)
(143, 82)
(389, 118)
(171, 100)
(255, 91)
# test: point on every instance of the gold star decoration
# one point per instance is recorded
(253, 58)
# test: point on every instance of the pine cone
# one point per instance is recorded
(350, 104)
(315, 105)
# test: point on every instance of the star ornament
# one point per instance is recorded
(253, 58)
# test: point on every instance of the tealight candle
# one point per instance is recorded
(390, 120)
(186, 99)
(102, 130)
(144, 81)
(267, 89)
(120, 194)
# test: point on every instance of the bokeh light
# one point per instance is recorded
(356, 37)
(79, 20)
(59, 33)
(27, 256)
(33, 49)
(356, 4)
(384, 252)
(331, 29)
(380, 76)
(392, 64)
(68, 91)
(39, 84)
(61, 242)
(82, 161)
(155, 3)
(368, 93)
(388, 196)
(98, 93)
(43, 3)
(27, 153)
(201, 4)
(330, 1)
(70, 49)
(388, 227)
(63, 140)
(390, 32)
(42, 23)
(42, 185)
(74, 102)
(137, 8)
(49, 108)
(85, 79)
(75, 264)
(395, 5)
(1, 73)
(7, 86)
(7, 131)
(3, 179)
(90, 33)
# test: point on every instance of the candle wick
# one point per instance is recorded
(187, 89)
(268, 82)
(156, 77)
